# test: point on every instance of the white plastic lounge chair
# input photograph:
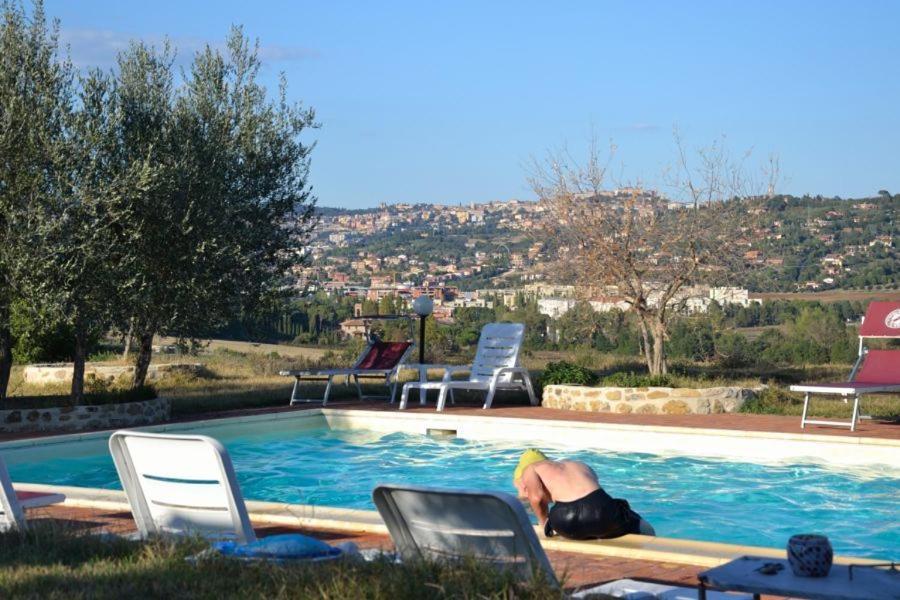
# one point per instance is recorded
(496, 366)
(453, 524)
(875, 371)
(180, 485)
(13, 502)
(378, 359)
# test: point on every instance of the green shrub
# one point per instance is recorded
(733, 350)
(772, 401)
(562, 372)
(42, 338)
(630, 379)
(694, 340)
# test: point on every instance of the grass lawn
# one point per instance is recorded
(49, 562)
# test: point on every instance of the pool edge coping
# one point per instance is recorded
(325, 411)
(699, 431)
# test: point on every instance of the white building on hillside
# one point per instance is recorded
(555, 307)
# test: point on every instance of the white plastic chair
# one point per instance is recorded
(180, 485)
(13, 503)
(452, 524)
(496, 366)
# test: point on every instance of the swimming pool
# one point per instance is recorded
(683, 497)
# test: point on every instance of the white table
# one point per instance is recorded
(742, 575)
(422, 369)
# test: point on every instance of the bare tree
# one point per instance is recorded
(649, 249)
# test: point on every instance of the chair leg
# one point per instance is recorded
(489, 398)
(294, 399)
(452, 397)
(358, 387)
(855, 413)
(530, 388)
(805, 408)
(404, 397)
(423, 378)
(392, 386)
(327, 390)
(442, 398)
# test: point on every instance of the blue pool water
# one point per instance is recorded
(682, 497)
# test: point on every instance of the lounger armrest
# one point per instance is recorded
(512, 370)
(305, 373)
(450, 370)
(334, 372)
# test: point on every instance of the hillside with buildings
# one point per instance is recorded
(476, 254)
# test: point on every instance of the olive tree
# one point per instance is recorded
(34, 92)
(229, 206)
(78, 250)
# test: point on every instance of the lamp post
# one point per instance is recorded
(422, 306)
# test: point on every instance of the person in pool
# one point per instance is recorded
(582, 510)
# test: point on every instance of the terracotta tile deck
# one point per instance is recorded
(516, 409)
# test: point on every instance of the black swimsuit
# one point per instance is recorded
(595, 516)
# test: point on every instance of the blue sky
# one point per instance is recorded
(428, 102)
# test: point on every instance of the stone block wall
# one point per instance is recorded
(78, 418)
(646, 400)
(62, 372)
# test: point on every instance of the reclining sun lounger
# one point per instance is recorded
(378, 359)
(453, 524)
(496, 366)
(875, 371)
(12, 502)
(181, 485)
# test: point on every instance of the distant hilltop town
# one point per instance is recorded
(473, 254)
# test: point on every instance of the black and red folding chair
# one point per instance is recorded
(875, 371)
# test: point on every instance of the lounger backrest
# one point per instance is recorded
(11, 513)
(180, 484)
(879, 366)
(452, 524)
(382, 356)
(882, 320)
(498, 347)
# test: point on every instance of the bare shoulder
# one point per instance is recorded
(576, 466)
(547, 466)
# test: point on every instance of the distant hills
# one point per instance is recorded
(789, 243)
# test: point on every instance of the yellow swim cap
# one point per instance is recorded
(529, 457)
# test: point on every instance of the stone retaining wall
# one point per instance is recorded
(47, 374)
(646, 400)
(77, 418)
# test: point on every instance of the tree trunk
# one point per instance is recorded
(5, 355)
(78, 365)
(145, 354)
(128, 338)
(646, 346)
(659, 366)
